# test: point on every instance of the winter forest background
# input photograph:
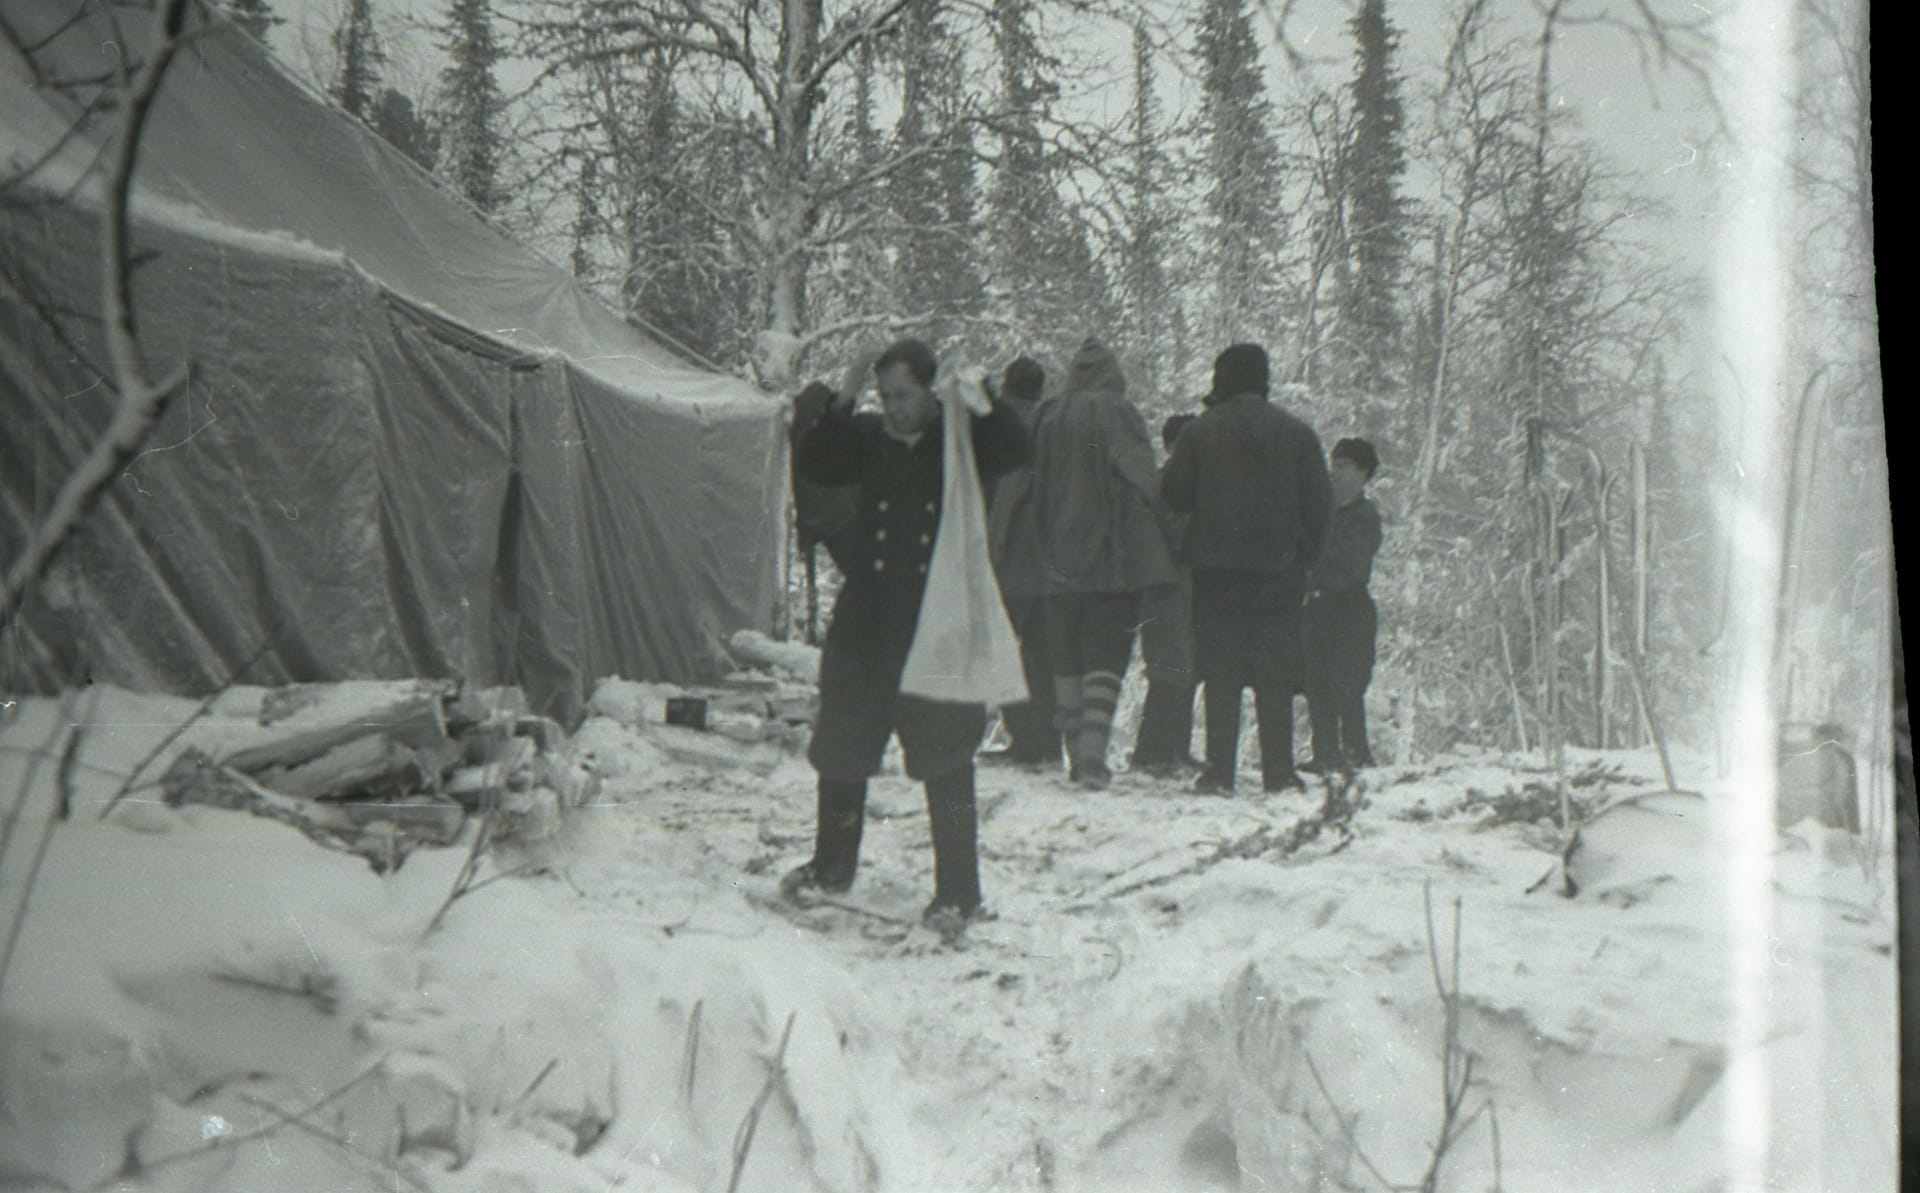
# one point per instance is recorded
(1480, 232)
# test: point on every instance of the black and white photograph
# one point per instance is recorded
(949, 596)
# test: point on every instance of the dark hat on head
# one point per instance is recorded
(1360, 452)
(1241, 369)
(1170, 430)
(1023, 380)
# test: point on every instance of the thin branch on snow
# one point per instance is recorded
(691, 1058)
(1346, 1129)
(535, 1084)
(173, 735)
(337, 1140)
(462, 882)
(743, 1139)
(63, 798)
(225, 1142)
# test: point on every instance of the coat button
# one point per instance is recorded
(923, 569)
(926, 539)
(883, 505)
(879, 565)
(880, 535)
(929, 507)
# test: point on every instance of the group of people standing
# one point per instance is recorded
(1242, 562)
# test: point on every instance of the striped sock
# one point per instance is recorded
(1099, 696)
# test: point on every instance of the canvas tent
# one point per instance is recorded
(408, 446)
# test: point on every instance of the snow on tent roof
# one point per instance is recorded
(409, 446)
(238, 139)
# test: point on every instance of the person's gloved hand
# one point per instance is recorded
(972, 389)
(858, 373)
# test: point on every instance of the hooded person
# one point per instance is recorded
(1033, 737)
(1102, 546)
(1253, 482)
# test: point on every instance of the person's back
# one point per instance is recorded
(1253, 482)
(1102, 546)
(1251, 479)
(1095, 483)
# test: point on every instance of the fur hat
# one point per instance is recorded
(1241, 369)
(1360, 452)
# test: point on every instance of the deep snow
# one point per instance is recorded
(1148, 1011)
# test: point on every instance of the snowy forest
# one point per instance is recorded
(407, 665)
(1438, 251)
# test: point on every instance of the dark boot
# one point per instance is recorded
(840, 817)
(1032, 737)
(1274, 706)
(1166, 724)
(1223, 736)
(1323, 714)
(956, 858)
(1033, 725)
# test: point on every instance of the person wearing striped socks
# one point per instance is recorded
(1102, 546)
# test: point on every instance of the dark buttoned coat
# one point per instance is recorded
(899, 488)
(897, 515)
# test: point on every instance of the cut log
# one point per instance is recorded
(381, 832)
(487, 705)
(511, 769)
(795, 658)
(368, 767)
(435, 821)
(795, 709)
(416, 719)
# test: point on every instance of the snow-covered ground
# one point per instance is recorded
(1172, 997)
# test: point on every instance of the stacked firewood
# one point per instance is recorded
(378, 769)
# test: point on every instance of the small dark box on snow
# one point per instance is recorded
(690, 711)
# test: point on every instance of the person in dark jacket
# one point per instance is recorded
(822, 514)
(1253, 480)
(1102, 547)
(896, 461)
(1033, 737)
(1339, 623)
(1165, 741)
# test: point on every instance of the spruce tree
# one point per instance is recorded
(1377, 215)
(1043, 263)
(400, 124)
(933, 199)
(1146, 288)
(356, 81)
(1243, 221)
(473, 103)
(255, 16)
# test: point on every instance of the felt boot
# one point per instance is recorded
(1223, 738)
(956, 857)
(1274, 706)
(840, 816)
(1066, 716)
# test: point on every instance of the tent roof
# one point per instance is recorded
(234, 138)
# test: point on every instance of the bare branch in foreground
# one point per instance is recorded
(141, 402)
(173, 735)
